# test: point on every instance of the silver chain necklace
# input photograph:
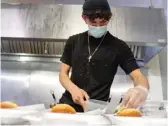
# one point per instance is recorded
(91, 55)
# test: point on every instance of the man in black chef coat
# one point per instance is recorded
(94, 57)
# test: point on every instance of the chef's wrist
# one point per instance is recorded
(142, 88)
(72, 88)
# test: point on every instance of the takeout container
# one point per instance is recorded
(38, 115)
(15, 115)
(12, 116)
(65, 119)
(142, 121)
(155, 109)
(37, 107)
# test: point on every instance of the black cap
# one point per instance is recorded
(96, 6)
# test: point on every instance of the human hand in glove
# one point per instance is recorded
(134, 97)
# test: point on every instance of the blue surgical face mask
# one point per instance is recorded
(97, 31)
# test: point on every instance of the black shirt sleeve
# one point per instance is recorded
(126, 58)
(67, 53)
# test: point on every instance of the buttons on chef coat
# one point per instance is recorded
(105, 65)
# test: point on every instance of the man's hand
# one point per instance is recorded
(80, 97)
(134, 97)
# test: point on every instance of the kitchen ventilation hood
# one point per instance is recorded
(137, 3)
(42, 30)
(139, 26)
(45, 47)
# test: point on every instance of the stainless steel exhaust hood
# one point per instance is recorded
(45, 47)
(42, 30)
(31, 1)
(133, 3)
(138, 26)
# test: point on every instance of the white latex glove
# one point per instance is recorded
(134, 97)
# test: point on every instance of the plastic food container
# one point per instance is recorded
(157, 109)
(58, 121)
(66, 119)
(15, 115)
(37, 107)
(12, 116)
(141, 121)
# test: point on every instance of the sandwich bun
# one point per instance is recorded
(63, 108)
(129, 112)
(8, 104)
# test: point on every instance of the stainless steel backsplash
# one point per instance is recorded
(29, 83)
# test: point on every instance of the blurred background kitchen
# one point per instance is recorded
(34, 34)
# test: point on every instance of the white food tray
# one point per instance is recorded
(66, 119)
(9, 117)
(15, 116)
(36, 107)
(138, 121)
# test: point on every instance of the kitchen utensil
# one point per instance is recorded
(96, 104)
(94, 112)
(111, 121)
(55, 100)
(114, 102)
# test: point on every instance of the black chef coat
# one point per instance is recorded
(96, 76)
